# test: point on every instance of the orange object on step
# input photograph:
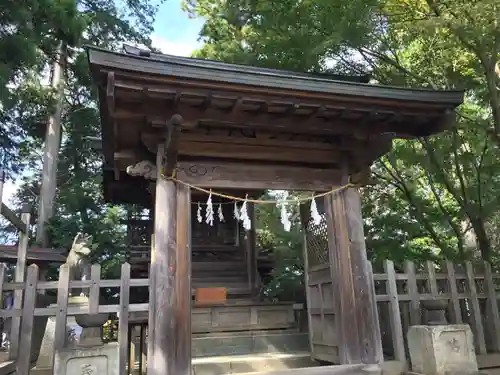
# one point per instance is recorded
(210, 296)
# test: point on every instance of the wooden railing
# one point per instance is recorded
(26, 310)
(471, 290)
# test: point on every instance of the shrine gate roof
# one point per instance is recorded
(240, 114)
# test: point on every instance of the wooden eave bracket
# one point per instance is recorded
(111, 105)
(110, 94)
(172, 143)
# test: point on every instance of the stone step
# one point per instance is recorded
(251, 363)
(246, 343)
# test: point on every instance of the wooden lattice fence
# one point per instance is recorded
(471, 290)
(26, 310)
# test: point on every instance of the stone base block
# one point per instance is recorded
(100, 360)
(442, 349)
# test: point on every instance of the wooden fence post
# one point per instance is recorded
(431, 272)
(494, 324)
(123, 320)
(395, 315)
(2, 280)
(95, 277)
(452, 281)
(19, 276)
(61, 333)
(476, 311)
(413, 293)
(23, 361)
(2, 181)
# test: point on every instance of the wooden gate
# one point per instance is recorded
(320, 290)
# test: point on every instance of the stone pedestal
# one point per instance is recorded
(89, 356)
(86, 360)
(442, 350)
(85, 335)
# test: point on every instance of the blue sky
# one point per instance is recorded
(174, 32)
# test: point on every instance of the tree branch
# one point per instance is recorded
(417, 209)
(458, 170)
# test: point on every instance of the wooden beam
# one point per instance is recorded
(258, 120)
(327, 119)
(243, 151)
(358, 319)
(246, 176)
(130, 84)
(35, 254)
(275, 139)
(12, 218)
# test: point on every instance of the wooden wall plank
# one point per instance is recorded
(258, 152)
(23, 362)
(123, 319)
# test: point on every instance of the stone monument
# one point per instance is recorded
(442, 349)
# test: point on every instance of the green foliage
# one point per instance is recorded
(286, 281)
(298, 35)
(435, 197)
(79, 205)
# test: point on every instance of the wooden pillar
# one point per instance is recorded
(183, 282)
(251, 251)
(359, 329)
(162, 299)
(169, 341)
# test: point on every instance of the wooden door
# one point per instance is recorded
(320, 290)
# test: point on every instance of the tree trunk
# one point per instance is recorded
(51, 151)
(483, 242)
